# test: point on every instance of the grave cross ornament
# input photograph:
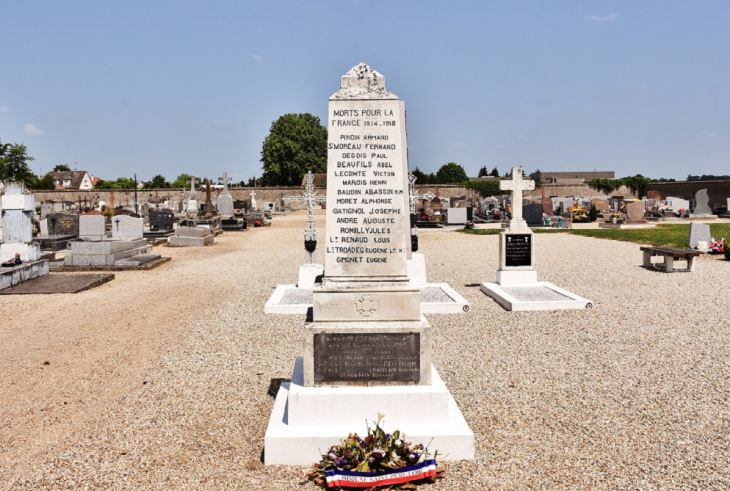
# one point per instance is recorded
(413, 197)
(192, 186)
(310, 197)
(517, 185)
(225, 180)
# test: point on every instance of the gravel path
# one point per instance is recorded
(165, 379)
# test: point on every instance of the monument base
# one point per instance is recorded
(10, 277)
(540, 295)
(308, 420)
(28, 252)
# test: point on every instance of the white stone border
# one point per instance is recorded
(458, 306)
(274, 305)
(512, 304)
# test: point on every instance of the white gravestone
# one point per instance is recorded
(127, 228)
(702, 207)
(92, 227)
(225, 200)
(17, 217)
(253, 201)
(368, 348)
(517, 287)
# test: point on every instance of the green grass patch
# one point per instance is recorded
(665, 234)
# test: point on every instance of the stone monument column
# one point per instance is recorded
(365, 296)
(368, 348)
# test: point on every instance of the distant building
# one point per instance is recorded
(571, 177)
(72, 179)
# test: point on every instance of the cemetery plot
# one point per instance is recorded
(59, 283)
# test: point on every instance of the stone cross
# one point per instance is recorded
(192, 186)
(117, 222)
(253, 200)
(413, 197)
(310, 196)
(517, 185)
(225, 180)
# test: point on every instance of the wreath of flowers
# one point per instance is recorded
(380, 461)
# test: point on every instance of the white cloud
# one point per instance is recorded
(257, 57)
(4, 109)
(458, 144)
(32, 130)
(603, 18)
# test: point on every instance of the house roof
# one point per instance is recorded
(75, 176)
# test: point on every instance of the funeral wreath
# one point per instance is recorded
(380, 461)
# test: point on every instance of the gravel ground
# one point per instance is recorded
(165, 379)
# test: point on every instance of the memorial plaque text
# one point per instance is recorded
(363, 357)
(518, 250)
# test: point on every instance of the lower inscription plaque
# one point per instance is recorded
(518, 250)
(363, 357)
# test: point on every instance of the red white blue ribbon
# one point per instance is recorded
(353, 479)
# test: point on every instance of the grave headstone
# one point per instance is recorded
(225, 200)
(533, 214)
(162, 221)
(127, 228)
(602, 205)
(635, 211)
(699, 232)
(64, 224)
(547, 206)
(92, 227)
(16, 204)
(46, 209)
(702, 206)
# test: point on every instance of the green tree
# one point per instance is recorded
(451, 173)
(157, 182)
(296, 143)
(120, 183)
(483, 172)
(182, 181)
(421, 177)
(61, 167)
(14, 164)
(46, 182)
(495, 172)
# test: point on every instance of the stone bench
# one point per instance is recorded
(670, 255)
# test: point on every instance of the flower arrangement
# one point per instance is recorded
(257, 223)
(379, 461)
(681, 212)
(717, 247)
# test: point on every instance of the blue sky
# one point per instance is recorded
(175, 87)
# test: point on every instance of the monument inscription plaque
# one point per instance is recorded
(367, 356)
(63, 224)
(518, 250)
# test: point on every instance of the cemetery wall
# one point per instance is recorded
(718, 191)
(125, 197)
(579, 191)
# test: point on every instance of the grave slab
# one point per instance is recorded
(59, 283)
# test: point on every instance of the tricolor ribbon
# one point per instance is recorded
(353, 479)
